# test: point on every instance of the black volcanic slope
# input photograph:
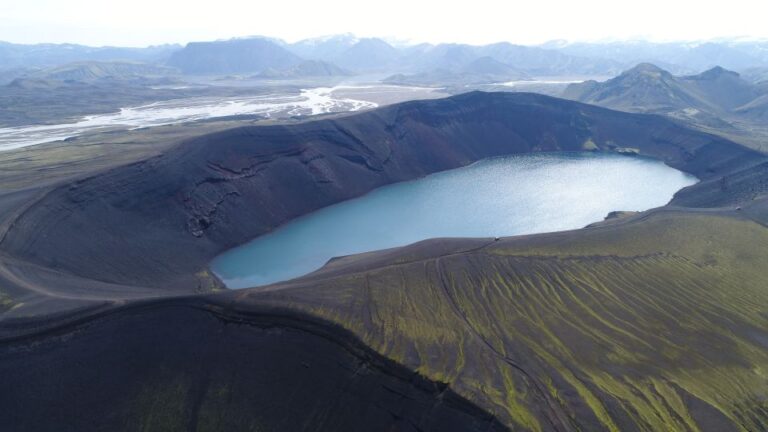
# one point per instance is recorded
(656, 321)
(189, 367)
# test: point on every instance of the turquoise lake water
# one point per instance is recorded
(506, 196)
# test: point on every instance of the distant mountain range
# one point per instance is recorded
(89, 71)
(47, 55)
(256, 55)
(323, 48)
(479, 71)
(369, 55)
(678, 57)
(445, 62)
(554, 58)
(756, 75)
(232, 56)
(705, 98)
(305, 69)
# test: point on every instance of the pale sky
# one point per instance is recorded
(147, 22)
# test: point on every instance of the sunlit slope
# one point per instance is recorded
(656, 324)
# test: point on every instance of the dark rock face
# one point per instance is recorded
(159, 221)
(184, 367)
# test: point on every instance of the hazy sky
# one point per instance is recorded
(144, 22)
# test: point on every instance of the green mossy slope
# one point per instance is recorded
(656, 324)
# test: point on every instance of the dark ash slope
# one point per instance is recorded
(191, 366)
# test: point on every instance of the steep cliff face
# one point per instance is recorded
(160, 221)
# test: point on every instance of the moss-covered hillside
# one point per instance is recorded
(656, 324)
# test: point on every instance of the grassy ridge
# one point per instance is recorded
(656, 324)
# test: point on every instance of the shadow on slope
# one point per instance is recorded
(188, 366)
